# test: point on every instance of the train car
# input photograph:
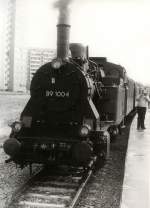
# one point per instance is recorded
(130, 96)
(76, 103)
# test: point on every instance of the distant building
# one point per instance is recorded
(36, 58)
(20, 70)
(13, 63)
(20, 50)
(17, 63)
(7, 30)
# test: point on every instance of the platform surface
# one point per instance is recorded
(136, 185)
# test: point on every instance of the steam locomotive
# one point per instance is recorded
(77, 104)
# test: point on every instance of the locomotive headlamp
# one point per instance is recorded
(56, 63)
(12, 147)
(16, 126)
(85, 130)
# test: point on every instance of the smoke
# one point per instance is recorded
(63, 8)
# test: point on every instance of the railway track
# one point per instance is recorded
(59, 188)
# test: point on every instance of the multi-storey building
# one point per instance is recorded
(17, 63)
(20, 70)
(36, 58)
(7, 38)
(13, 61)
(20, 50)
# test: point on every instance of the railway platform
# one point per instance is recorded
(136, 185)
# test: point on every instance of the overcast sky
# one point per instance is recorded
(117, 29)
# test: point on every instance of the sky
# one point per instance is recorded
(116, 29)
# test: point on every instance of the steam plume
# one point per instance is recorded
(63, 7)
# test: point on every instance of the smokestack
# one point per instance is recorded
(63, 32)
(63, 29)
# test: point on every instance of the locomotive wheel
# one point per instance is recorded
(114, 131)
(81, 153)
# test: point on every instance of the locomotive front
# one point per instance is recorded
(60, 118)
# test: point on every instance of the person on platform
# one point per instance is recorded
(142, 105)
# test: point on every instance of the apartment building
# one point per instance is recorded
(36, 58)
(7, 30)
(17, 62)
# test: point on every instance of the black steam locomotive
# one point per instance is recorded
(77, 104)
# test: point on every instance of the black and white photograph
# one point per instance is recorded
(74, 103)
